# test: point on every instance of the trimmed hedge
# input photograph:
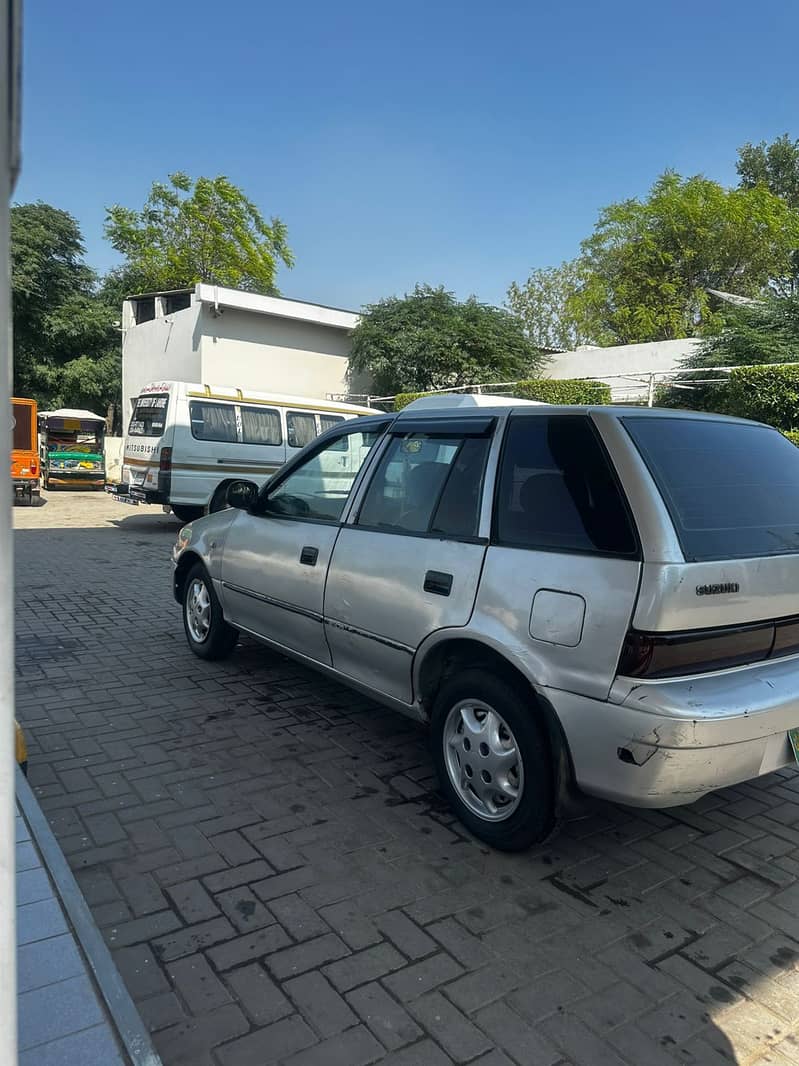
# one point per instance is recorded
(402, 399)
(566, 391)
(764, 394)
(547, 390)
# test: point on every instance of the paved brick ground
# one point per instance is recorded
(280, 883)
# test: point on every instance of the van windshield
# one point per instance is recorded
(732, 489)
(149, 415)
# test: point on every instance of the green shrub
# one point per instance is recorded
(764, 393)
(567, 390)
(548, 390)
(402, 399)
(792, 435)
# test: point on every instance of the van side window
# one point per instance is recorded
(260, 425)
(427, 485)
(557, 491)
(213, 421)
(301, 429)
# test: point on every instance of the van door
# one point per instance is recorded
(410, 563)
(228, 441)
(149, 431)
(275, 561)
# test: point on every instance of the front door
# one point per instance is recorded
(410, 562)
(275, 561)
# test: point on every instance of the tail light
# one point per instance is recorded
(698, 651)
(33, 469)
(165, 462)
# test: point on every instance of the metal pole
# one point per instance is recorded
(9, 50)
(650, 399)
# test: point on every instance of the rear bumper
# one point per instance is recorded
(134, 493)
(670, 742)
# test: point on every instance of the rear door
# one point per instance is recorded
(410, 563)
(147, 433)
(731, 492)
(561, 574)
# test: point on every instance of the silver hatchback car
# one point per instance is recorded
(604, 597)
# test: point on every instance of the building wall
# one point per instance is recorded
(256, 351)
(635, 360)
(164, 349)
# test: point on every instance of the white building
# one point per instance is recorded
(627, 368)
(223, 336)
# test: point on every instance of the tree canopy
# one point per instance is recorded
(198, 230)
(645, 270)
(429, 340)
(544, 304)
(66, 348)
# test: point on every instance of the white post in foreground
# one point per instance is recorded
(10, 15)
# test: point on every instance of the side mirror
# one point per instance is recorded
(242, 494)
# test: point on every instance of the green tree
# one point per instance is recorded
(197, 230)
(645, 270)
(429, 340)
(544, 304)
(66, 348)
(763, 332)
(776, 167)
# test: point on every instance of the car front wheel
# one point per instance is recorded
(208, 634)
(493, 760)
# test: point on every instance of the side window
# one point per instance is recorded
(213, 421)
(557, 491)
(260, 425)
(319, 487)
(427, 485)
(301, 428)
(328, 421)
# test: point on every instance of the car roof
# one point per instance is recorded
(536, 409)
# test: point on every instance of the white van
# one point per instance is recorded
(186, 442)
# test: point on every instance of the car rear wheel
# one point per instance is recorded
(208, 634)
(493, 760)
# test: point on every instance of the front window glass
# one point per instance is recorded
(319, 487)
(732, 489)
(213, 421)
(427, 485)
(149, 416)
(557, 491)
(260, 425)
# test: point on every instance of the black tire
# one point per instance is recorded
(184, 512)
(220, 638)
(533, 816)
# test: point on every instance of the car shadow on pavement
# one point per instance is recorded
(633, 936)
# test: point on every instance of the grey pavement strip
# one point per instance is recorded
(128, 1023)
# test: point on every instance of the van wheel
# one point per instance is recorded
(208, 634)
(185, 512)
(493, 760)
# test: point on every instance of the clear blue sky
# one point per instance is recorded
(458, 143)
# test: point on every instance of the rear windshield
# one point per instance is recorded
(732, 489)
(149, 416)
(23, 440)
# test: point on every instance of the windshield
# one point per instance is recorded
(732, 489)
(149, 416)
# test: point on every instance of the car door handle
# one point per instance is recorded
(438, 582)
(308, 556)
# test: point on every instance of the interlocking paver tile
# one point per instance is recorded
(256, 801)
